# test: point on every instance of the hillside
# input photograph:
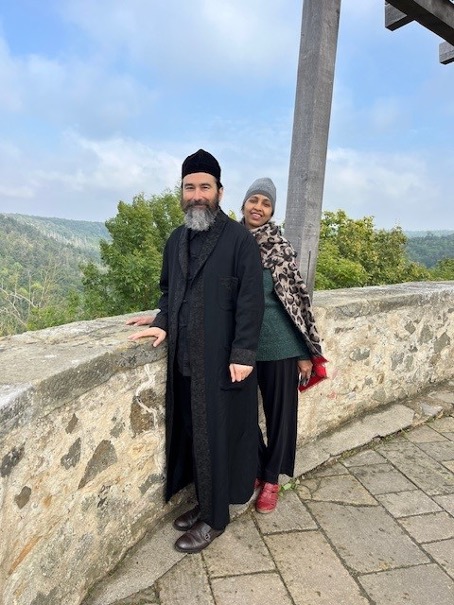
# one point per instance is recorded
(40, 262)
(81, 235)
(430, 247)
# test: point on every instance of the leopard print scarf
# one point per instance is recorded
(279, 256)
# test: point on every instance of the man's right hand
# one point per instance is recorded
(157, 333)
(144, 320)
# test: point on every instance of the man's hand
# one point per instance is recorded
(157, 333)
(239, 372)
(140, 321)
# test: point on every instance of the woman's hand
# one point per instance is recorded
(305, 368)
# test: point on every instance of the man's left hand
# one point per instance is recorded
(239, 372)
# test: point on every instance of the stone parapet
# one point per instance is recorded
(82, 425)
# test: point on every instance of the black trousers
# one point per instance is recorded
(278, 382)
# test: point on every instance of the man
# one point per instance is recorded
(211, 311)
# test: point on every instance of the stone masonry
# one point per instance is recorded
(82, 437)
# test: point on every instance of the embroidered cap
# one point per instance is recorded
(201, 161)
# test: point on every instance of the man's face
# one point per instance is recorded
(200, 192)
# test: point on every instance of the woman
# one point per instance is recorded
(288, 342)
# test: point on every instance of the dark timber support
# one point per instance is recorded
(435, 15)
(395, 18)
(314, 90)
(446, 53)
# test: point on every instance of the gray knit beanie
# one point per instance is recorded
(264, 186)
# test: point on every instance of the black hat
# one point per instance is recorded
(201, 161)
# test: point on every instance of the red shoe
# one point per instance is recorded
(267, 500)
(258, 484)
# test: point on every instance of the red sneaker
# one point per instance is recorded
(267, 500)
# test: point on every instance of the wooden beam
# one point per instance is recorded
(435, 15)
(395, 18)
(446, 53)
(314, 91)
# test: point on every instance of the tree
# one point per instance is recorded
(443, 270)
(353, 253)
(35, 299)
(128, 279)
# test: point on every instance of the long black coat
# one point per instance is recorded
(225, 315)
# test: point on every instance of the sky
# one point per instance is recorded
(102, 100)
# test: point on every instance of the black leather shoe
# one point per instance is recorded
(187, 519)
(196, 539)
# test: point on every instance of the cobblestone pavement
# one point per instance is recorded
(376, 526)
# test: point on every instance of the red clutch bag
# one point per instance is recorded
(318, 373)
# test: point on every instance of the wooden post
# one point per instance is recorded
(314, 89)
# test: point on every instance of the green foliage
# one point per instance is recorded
(37, 271)
(431, 248)
(42, 284)
(443, 270)
(353, 253)
(128, 279)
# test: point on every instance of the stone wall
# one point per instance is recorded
(81, 425)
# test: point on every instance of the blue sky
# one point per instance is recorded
(101, 100)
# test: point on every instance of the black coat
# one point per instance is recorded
(225, 315)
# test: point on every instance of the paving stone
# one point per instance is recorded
(367, 538)
(312, 571)
(424, 434)
(331, 470)
(428, 474)
(239, 550)
(421, 585)
(446, 502)
(308, 457)
(449, 465)
(255, 589)
(186, 583)
(382, 478)
(444, 424)
(409, 503)
(343, 488)
(428, 528)
(449, 436)
(290, 515)
(443, 553)
(396, 442)
(144, 597)
(363, 431)
(440, 451)
(141, 567)
(363, 458)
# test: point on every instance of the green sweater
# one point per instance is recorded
(279, 337)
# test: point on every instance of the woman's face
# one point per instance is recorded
(257, 211)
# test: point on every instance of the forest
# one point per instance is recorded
(55, 271)
(431, 247)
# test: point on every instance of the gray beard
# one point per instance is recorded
(199, 219)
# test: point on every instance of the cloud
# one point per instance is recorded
(395, 188)
(93, 174)
(204, 40)
(71, 92)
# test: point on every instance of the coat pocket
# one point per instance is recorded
(227, 292)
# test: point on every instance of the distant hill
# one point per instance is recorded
(428, 247)
(29, 245)
(81, 235)
(438, 233)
